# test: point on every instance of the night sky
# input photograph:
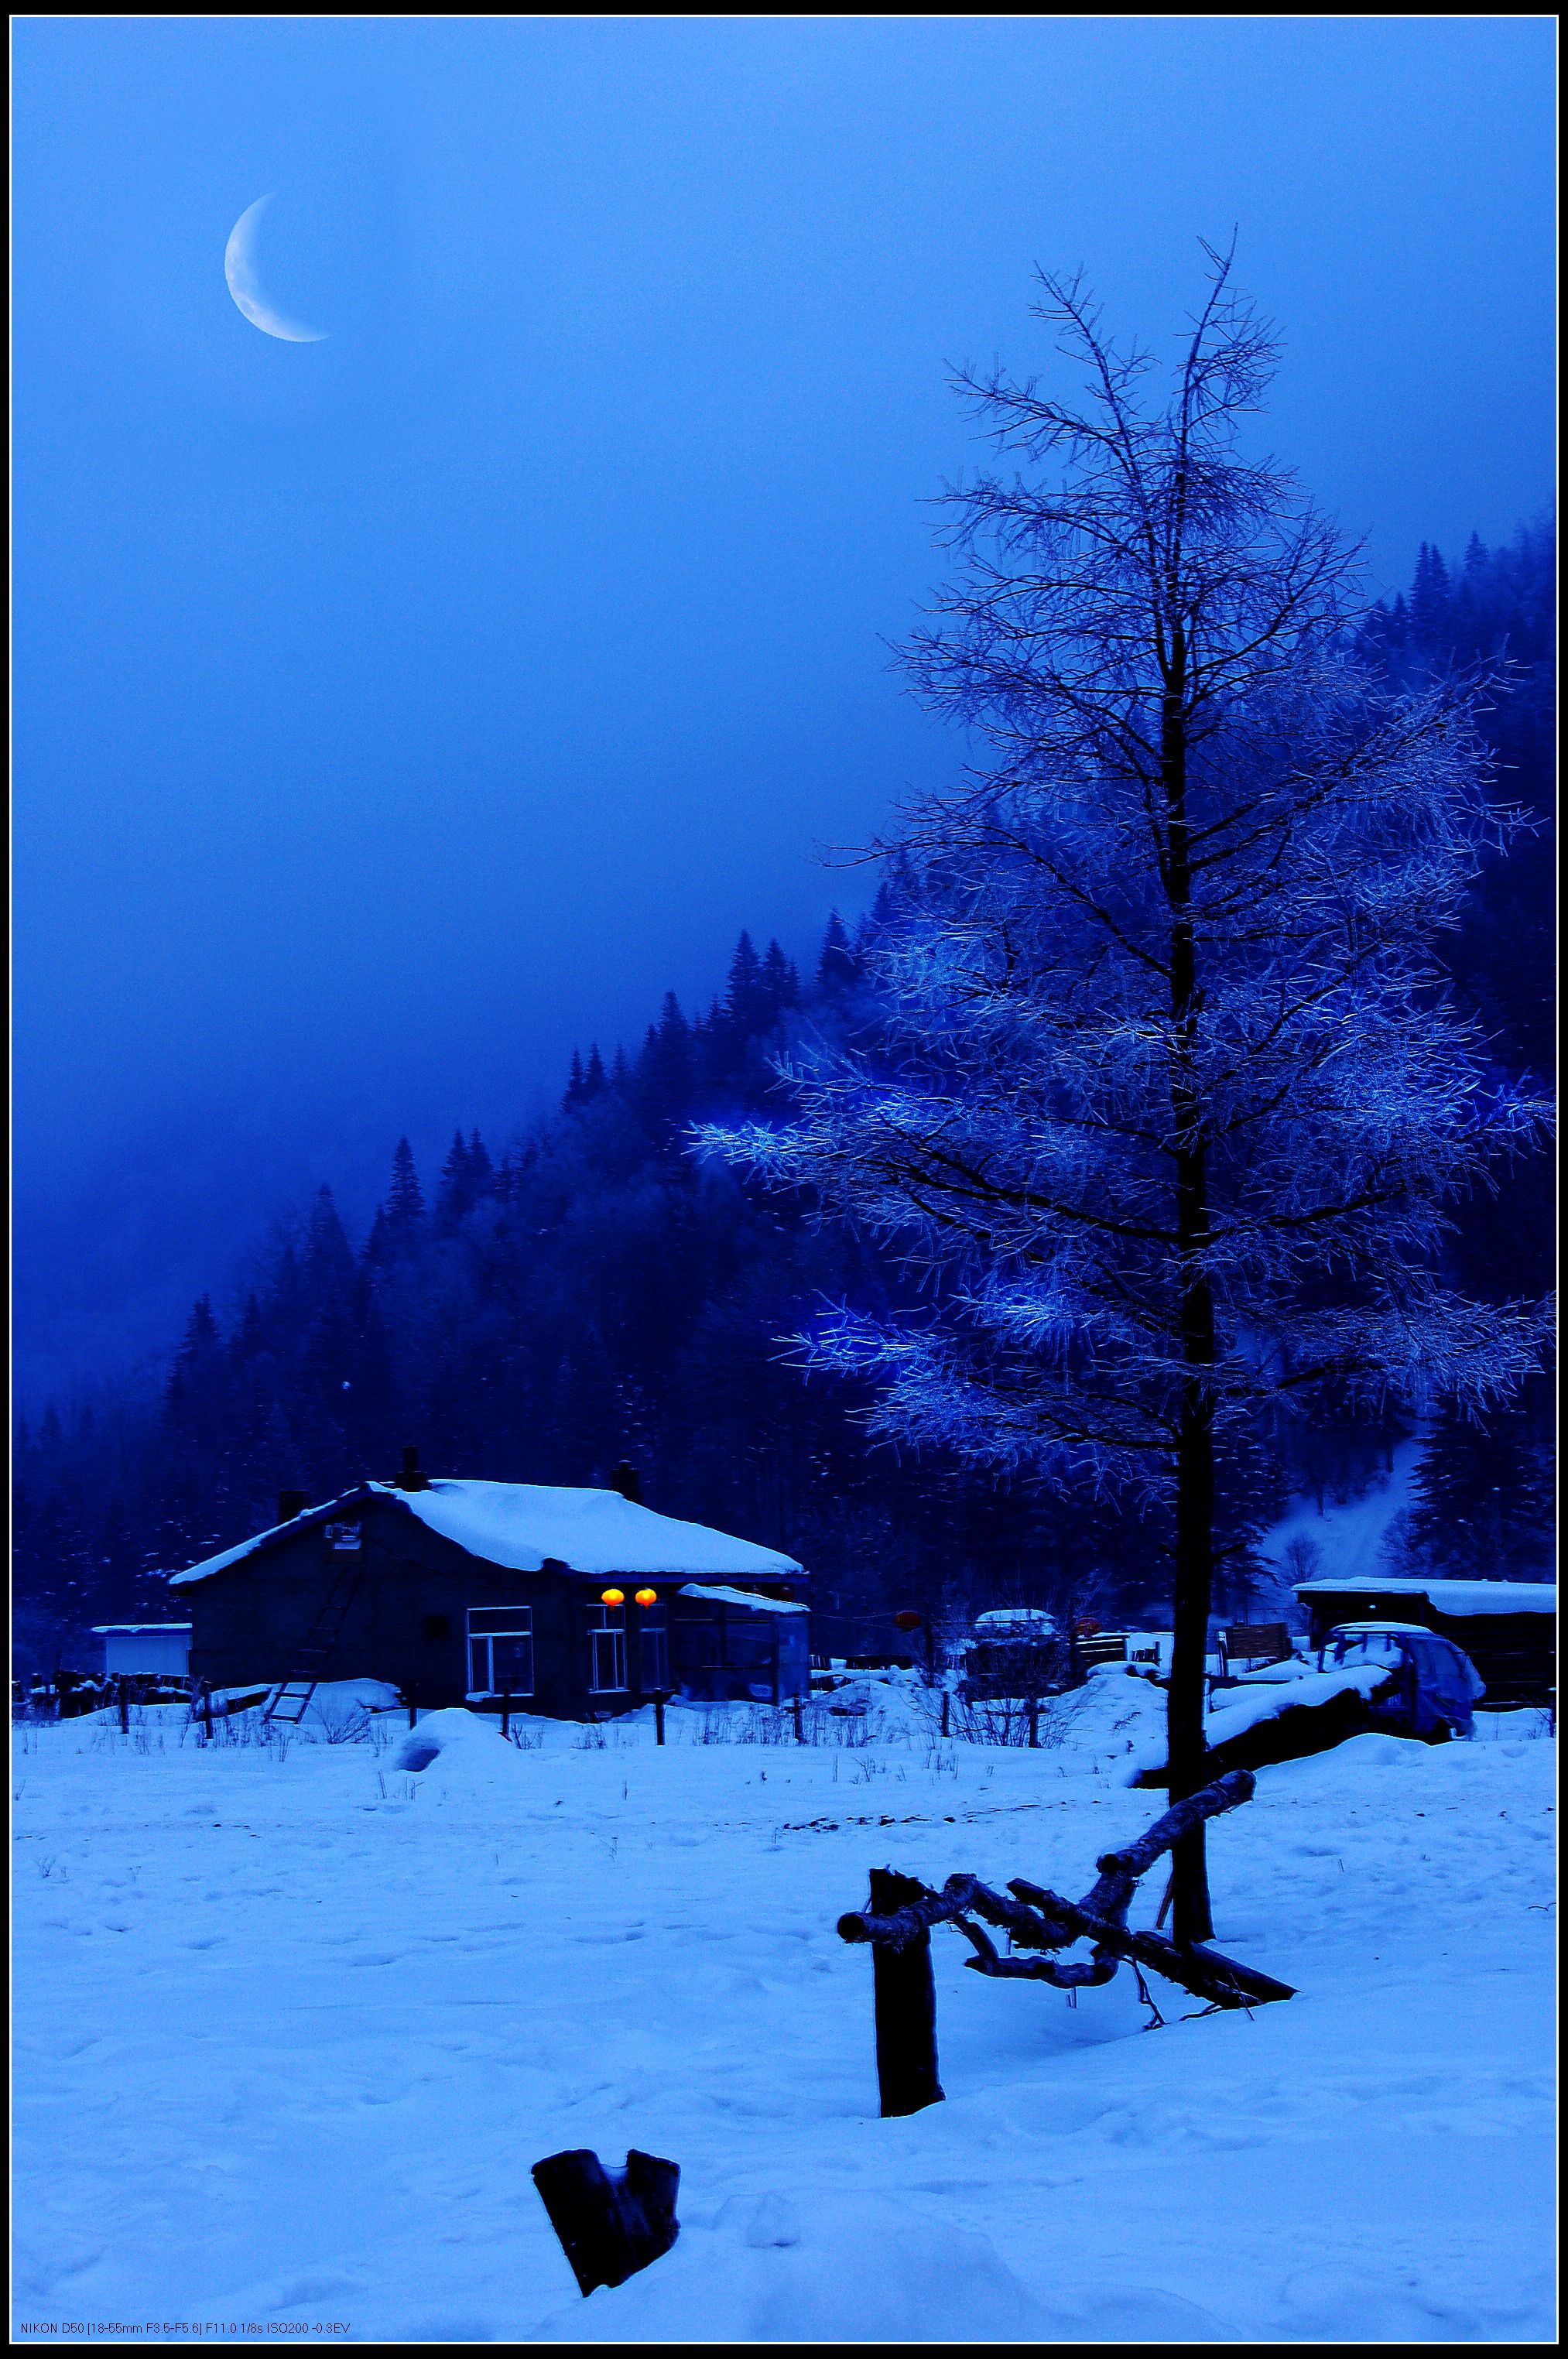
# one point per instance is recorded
(394, 712)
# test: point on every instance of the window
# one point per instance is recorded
(654, 1651)
(342, 1536)
(1359, 1646)
(606, 1649)
(500, 1650)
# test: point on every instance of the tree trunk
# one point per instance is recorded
(1194, 1569)
(610, 2222)
(905, 1998)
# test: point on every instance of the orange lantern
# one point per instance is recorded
(612, 1597)
(647, 1597)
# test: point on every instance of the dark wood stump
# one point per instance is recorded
(610, 2222)
(905, 1990)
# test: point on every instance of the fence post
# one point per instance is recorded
(800, 1730)
(905, 2000)
(659, 1716)
(505, 1715)
(413, 1713)
(1034, 1722)
(124, 1703)
(207, 1709)
(946, 1699)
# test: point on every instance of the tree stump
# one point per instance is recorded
(610, 2222)
(905, 1998)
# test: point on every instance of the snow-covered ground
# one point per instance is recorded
(293, 2022)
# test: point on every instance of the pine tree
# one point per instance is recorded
(454, 1196)
(778, 986)
(835, 967)
(481, 1168)
(745, 1001)
(404, 1198)
(329, 1268)
(1431, 599)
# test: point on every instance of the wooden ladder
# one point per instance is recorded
(291, 1701)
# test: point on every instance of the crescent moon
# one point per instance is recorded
(239, 269)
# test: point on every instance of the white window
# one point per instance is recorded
(500, 1650)
(606, 1649)
(654, 1651)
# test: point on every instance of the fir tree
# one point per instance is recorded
(835, 967)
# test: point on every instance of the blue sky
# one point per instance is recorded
(394, 712)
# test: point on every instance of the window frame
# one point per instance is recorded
(519, 1624)
(607, 1621)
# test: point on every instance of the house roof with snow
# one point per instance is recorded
(526, 1526)
(1446, 1597)
(141, 1629)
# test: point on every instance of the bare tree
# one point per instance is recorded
(1168, 1101)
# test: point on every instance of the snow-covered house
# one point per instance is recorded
(572, 1603)
(145, 1649)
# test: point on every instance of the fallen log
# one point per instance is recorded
(1039, 1920)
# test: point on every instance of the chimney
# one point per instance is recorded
(291, 1504)
(628, 1483)
(411, 1478)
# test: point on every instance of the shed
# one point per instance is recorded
(142, 1649)
(1508, 1628)
(570, 1602)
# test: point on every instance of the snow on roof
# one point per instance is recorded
(741, 1597)
(141, 1629)
(1001, 1616)
(519, 1524)
(1445, 1596)
(220, 1563)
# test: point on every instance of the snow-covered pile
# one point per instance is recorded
(292, 2022)
(1232, 1715)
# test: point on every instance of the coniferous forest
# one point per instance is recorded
(592, 1292)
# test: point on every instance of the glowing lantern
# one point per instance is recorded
(612, 1597)
(647, 1597)
(906, 1621)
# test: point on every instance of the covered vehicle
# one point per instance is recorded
(1015, 1651)
(1432, 1686)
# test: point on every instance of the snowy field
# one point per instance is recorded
(293, 2022)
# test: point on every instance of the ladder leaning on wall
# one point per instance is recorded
(289, 1702)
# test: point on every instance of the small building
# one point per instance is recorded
(1508, 1628)
(145, 1649)
(572, 1604)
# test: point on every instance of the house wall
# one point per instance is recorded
(134, 1652)
(406, 1623)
